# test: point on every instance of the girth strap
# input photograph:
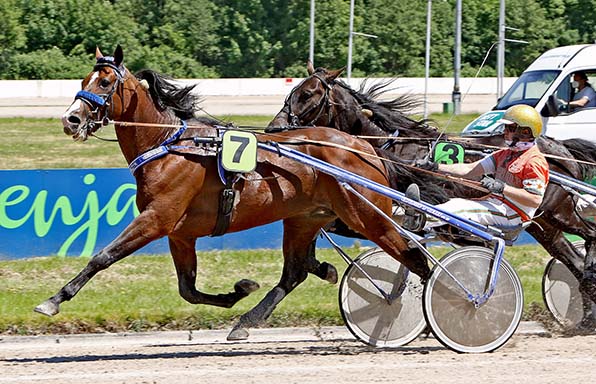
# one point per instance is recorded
(226, 204)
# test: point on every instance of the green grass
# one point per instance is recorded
(140, 292)
(41, 144)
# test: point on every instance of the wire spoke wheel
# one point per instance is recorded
(369, 316)
(560, 290)
(454, 319)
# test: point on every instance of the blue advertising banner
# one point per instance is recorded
(76, 212)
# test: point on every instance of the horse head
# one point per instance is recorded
(310, 102)
(323, 99)
(100, 97)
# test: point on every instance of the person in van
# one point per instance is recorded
(516, 177)
(585, 96)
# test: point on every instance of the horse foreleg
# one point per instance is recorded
(140, 232)
(297, 242)
(553, 241)
(185, 261)
(588, 286)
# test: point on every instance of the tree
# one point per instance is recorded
(12, 33)
(244, 44)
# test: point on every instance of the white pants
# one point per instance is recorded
(490, 211)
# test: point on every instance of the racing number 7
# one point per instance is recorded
(239, 151)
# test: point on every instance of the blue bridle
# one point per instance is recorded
(97, 101)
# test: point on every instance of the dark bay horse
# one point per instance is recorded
(322, 99)
(178, 190)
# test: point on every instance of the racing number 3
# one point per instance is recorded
(239, 151)
(449, 153)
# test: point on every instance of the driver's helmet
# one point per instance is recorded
(524, 116)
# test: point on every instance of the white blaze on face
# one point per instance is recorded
(93, 78)
(76, 105)
(80, 134)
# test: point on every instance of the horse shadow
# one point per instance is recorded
(240, 349)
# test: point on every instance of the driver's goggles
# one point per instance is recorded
(521, 131)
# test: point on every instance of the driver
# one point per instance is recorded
(516, 176)
(585, 96)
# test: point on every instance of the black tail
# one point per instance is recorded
(583, 150)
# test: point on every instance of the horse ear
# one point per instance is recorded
(310, 68)
(118, 55)
(332, 75)
(98, 54)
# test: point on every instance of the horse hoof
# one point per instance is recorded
(330, 272)
(48, 308)
(246, 286)
(238, 334)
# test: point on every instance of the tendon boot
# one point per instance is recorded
(413, 220)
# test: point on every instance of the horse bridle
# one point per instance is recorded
(99, 102)
(294, 119)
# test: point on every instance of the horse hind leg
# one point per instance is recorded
(185, 261)
(297, 251)
(324, 270)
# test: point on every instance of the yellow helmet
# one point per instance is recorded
(524, 116)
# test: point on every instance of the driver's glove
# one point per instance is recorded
(427, 164)
(493, 185)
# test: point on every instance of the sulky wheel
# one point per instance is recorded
(373, 319)
(454, 319)
(560, 290)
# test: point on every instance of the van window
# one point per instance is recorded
(565, 92)
(528, 89)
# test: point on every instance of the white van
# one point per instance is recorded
(546, 85)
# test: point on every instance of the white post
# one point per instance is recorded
(501, 50)
(456, 95)
(350, 40)
(427, 56)
(311, 53)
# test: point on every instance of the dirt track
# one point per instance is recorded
(293, 358)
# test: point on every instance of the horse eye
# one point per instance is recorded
(104, 83)
(305, 95)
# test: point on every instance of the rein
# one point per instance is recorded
(407, 139)
(399, 138)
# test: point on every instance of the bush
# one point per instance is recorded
(46, 64)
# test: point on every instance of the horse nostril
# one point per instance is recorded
(74, 120)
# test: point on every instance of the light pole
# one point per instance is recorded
(501, 48)
(456, 95)
(350, 42)
(427, 56)
(311, 52)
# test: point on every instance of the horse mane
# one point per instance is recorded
(168, 95)
(391, 114)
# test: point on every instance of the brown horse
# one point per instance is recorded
(322, 99)
(179, 189)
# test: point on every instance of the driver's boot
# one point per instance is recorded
(414, 220)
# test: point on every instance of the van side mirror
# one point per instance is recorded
(550, 109)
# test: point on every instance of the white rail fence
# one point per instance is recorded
(245, 96)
